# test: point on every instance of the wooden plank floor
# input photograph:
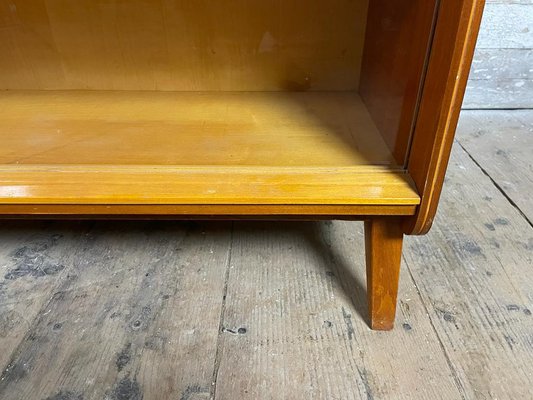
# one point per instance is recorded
(266, 310)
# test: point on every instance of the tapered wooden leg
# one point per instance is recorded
(383, 242)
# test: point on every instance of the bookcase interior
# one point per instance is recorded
(324, 86)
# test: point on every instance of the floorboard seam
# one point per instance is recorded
(218, 353)
(500, 189)
(455, 376)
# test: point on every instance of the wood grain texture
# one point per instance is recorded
(188, 128)
(179, 45)
(473, 272)
(203, 186)
(449, 64)
(397, 41)
(186, 149)
(297, 293)
(210, 211)
(500, 142)
(383, 252)
(125, 323)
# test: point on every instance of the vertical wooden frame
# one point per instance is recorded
(452, 50)
(451, 55)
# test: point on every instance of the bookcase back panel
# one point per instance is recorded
(182, 45)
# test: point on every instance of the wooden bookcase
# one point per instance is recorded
(236, 109)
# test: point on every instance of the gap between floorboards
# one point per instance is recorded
(218, 352)
(496, 185)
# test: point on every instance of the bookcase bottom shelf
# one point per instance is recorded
(170, 153)
(198, 190)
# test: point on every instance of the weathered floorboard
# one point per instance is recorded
(34, 259)
(472, 271)
(506, 25)
(501, 142)
(139, 319)
(502, 72)
(295, 322)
